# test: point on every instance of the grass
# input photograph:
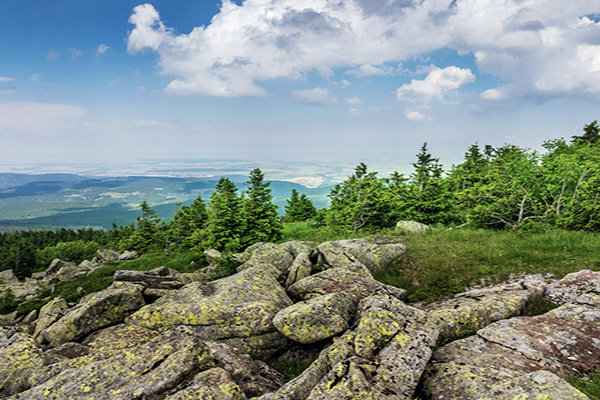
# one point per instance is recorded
(442, 262)
(589, 385)
(306, 232)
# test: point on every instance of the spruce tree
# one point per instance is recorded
(226, 224)
(299, 208)
(262, 220)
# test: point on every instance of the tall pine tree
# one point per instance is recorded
(226, 223)
(262, 221)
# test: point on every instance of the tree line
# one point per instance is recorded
(506, 187)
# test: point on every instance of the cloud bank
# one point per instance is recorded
(541, 48)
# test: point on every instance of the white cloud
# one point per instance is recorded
(353, 100)
(416, 116)
(103, 48)
(35, 77)
(49, 117)
(6, 79)
(543, 48)
(354, 111)
(52, 56)
(75, 54)
(313, 96)
(438, 83)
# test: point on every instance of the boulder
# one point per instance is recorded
(128, 255)
(212, 255)
(214, 384)
(107, 255)
(49, 314)
(22, 290)
(573, 286)
(277, 255)
(241, 305)
(470, 311)
(353, 278)
(93, 312)
(157, 278)
(522, 356)
(71, 272)
(374, 253)
(316, 319)
(8, 277)
(56, 265)
(411, 227)
(301, 268)
(20, 356)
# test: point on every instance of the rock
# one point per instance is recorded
(143, 371)
(301, 268)
(241, 305)
(374, 253)
(522, 356)
(411, 227)
(157, 278)
(212, 255)
(94, 311)
(107, 255)
(86, 265)
(39, 276)
(22, 290)
(8, 277)
(348, 379)
(71, 272)
(573, 286)
(316, 319)
(49, 314)
(472, 310)
(128, 255)
(20, 356)
(254, 377)
(214, 384)
(30, 317)
(56, 265)
(277, 255)
(353, 278)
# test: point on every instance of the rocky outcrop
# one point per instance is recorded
(106, 255)
(574, 285)
(21, 290)
(49, 314)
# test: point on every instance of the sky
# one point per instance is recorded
(112, 81)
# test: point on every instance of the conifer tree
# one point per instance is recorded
(188, 224)
(225, 225)
(262, 221)
(147, 232)
(299, 208)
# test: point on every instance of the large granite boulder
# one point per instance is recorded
(8, 277)
(470, 311)
(277, 255)
(522, 356)
(316, 319)
(22, 290)
(214, 384)
(49, 314)
(374, 253)
(241, 305)
(93, 312)
(108, 255)
(157, 278)
(573, 286)
(411, 227)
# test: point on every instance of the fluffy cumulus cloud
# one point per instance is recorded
(418, 116)
(544, 48)
(436, 85)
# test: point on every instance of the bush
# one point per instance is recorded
(76, 252)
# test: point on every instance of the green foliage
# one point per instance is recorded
(75, 252)
(226, 224)
(299, 208)
(538, 305)
(290, 369)
(8, 303)
(148, 233)
(262, 221)
(186, 229)
(589, 385)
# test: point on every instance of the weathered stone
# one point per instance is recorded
(467, 312)
(349, 379)
(214, 384)
(30, 317)
(574, 285)
(277, 255)
(241, 305)
(411, 227)
(300, 269)
(212, 255)
(49, 314)
(353, 278)
(157, 278)
(22, 290)
(87, 265)
(8, 277)
(107, 255)
(94, 311)
(260, 346)
(139, 372)
(70, 272)
(128, 255)
(20, 356)
(316, 319)
(374, 253)
(254, 377)
(56, 265)
(468, 382)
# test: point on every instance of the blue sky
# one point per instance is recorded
(352, 80)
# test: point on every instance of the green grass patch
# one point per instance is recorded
(589, 385)
(445, 262)
(306, 232)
